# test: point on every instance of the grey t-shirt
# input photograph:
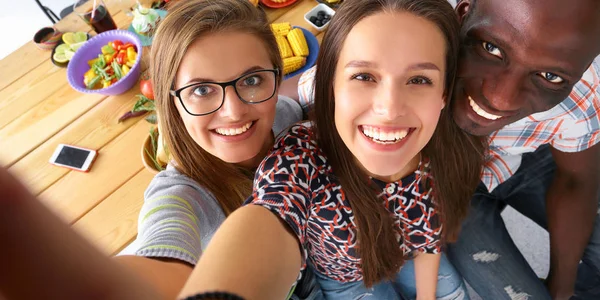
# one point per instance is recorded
(179, 217)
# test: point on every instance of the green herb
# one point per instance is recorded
(154, 143)
(93, 82)
(117, 70)
(152, 119)
(101, 62)
(143, 104)
(100, 71)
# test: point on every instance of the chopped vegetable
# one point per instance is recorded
(113, 63)
(122, 57)
(116, 43)
(131, 54)
(117, 69)
(93, 82)
(106, 49)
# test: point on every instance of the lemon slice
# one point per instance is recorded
(71, 38)
(61, 48)
(69, 54)
(76, 46)
(60, 58)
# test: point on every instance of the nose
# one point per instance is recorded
(388, 103)
(233, 107)
(504, 90)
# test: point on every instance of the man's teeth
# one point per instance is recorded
(478, 110)
(233, 131)
(384, 137)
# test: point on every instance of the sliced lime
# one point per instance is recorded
(69, 54)
(60, 58)
(61, 48)
(80, 37)
(76, 46)
(71, 38)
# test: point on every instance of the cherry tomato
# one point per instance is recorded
(146, 88)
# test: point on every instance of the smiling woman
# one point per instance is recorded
(216, 71)
(367, 193)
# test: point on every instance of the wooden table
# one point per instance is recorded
(39, 110)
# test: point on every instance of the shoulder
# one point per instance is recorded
(295, 153)
(299, 137)
(173, 181)
(172, 189)
(287, 113)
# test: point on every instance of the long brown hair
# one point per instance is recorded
(456, 157)
(186, 22)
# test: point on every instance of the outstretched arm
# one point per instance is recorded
(253, 255)
(41, 257)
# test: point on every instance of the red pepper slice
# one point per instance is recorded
(121, 58)
(125, 46)
(116, 44)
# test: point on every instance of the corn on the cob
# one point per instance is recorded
(293, 63)
(284, 46)
(298, 42)
(281, 28)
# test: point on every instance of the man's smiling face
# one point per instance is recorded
(520, 57)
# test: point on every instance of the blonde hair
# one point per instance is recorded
(186, 22)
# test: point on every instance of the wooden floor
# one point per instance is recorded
(39, 110)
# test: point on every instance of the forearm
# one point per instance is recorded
(41, 257)
(426, 274)
(167, 276)
(252, 255)
(571, 211)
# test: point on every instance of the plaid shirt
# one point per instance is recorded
(571, 126)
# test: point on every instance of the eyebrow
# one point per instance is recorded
(423, 66)
(360, 64)
(413, 67)
(200, 79)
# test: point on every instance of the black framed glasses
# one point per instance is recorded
(204, 98)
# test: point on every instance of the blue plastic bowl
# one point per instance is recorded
(90, 50)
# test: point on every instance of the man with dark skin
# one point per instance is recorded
(527, 79)
(520, 58)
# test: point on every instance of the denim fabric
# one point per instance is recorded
(487, 257)
(449, 287)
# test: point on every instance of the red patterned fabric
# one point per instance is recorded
(297, 184)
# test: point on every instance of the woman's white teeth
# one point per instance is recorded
(384, 137)
(233, 131)
(478, 110)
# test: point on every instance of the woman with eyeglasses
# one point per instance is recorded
(216, 70)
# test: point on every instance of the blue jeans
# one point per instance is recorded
(486, 256)
(450, 285)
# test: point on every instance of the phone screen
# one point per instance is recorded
(72, 157)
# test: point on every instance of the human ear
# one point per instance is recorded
(462, 9)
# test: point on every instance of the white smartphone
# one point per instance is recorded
(72, 157)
